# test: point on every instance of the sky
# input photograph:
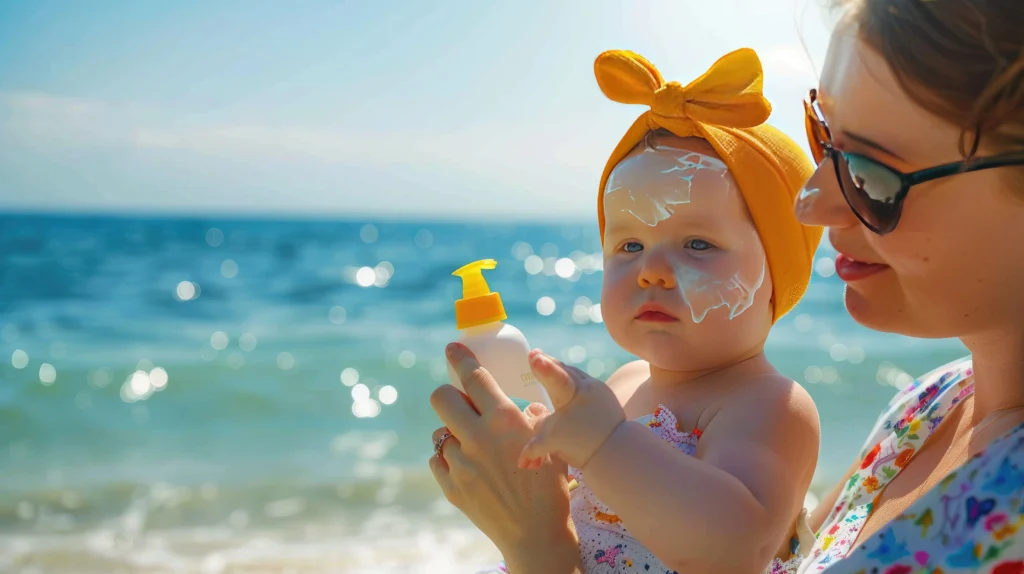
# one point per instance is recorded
(453, 109)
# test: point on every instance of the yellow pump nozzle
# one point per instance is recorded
(479, 305)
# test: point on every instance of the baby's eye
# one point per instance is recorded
(698, 245)
(632, 247)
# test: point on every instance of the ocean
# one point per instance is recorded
(250, 395)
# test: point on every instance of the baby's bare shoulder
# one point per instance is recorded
(629, 375)
(772, 400)
(628, 378)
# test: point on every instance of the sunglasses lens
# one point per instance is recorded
(871, 189)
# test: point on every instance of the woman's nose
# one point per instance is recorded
(657, 271)
(821, 201)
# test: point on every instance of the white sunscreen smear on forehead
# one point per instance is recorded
(650, 184)
(657, 182)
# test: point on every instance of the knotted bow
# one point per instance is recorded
(729, 94)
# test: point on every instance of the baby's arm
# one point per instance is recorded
(731, 506)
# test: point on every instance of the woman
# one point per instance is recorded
(918, 126)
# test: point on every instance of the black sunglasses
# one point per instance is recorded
(874, 191)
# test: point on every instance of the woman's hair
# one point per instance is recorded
(962, 60)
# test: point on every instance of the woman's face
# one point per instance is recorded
(952, 266)
(686, 285)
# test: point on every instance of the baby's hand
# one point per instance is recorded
(586, 414)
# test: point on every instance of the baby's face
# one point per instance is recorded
(686, 283)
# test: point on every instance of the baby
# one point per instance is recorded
(697, 457)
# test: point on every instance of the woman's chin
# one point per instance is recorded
(874, 312)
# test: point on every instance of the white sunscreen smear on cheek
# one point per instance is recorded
(651, 184)
(704, 292)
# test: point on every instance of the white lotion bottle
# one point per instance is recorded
(499, 347)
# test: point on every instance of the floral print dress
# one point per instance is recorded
(969, 522)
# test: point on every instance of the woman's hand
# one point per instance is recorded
(524, 512)
(586, 413)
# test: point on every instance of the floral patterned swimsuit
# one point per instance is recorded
(605, 544)
(969, 522)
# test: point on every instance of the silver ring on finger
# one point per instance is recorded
(439, 443)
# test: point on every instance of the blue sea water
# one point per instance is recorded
(229, 395)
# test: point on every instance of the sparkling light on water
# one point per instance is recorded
(19, 359)
(387, 394)
(521, 250)
(576, 354)
(565, 268)
(366, 409)
(247, 342)
(229, 269)
(803, 323)
(337, 315)
(158, 378)
(47, 374)
(812, 374)
(99, 378)
(839, 352)
(407, 359)
(423, 239)
(581, 310)
(891, 375)
(545, 305)
(186, 290)
(219, 340)
(140, 383)
(829, 375)
(360, 392)
(285, 361)
(368, 233)
(365, 276)
(214, 237)
(533, 264)
(349, 377)
(856, 355)
(826, 267)
(382, 274)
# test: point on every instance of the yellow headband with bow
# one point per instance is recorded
(726, 107)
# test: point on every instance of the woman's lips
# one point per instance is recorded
(849, 269)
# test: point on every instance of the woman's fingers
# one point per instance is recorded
(450, 466)
(557, 381)
(481, 387)
(438, 435)
(454, 410)
(442, 474)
